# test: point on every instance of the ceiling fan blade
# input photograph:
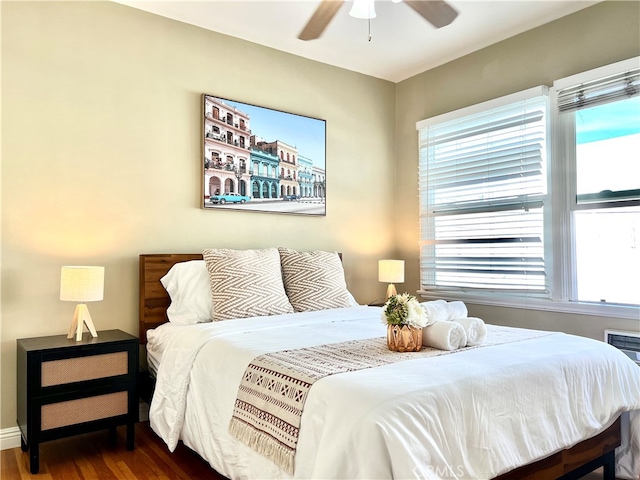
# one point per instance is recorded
(320, 19)
(436, 12)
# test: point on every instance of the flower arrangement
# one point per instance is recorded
(404, 309)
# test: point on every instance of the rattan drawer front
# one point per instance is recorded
(72, 412)
(79, 369)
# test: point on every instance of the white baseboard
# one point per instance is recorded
(10, 437)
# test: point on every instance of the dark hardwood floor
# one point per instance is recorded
(93, 457)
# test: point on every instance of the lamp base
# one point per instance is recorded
(391, 290)
(81, 317)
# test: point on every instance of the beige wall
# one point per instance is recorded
(101, 148)
(605, 33)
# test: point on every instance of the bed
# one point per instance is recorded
(566, 445)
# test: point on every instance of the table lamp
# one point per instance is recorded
(391, 271)
(81, 284)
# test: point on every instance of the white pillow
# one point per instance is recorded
(187, 284)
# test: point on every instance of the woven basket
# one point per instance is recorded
(402, 338)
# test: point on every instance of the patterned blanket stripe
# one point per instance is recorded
(275, 386)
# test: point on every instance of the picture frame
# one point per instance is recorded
(259, 159)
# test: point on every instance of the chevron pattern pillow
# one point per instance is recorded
(314, 280)
(245, 283)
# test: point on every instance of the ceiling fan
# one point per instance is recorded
(436, 12)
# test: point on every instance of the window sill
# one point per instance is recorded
(579, 308)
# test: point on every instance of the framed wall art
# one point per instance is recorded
(262, 160)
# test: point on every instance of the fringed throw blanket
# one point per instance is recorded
(274, 387)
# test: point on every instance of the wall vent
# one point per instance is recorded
(628, 342)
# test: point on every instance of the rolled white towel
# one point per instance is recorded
(457, 309)
(444, 336)
(437, 311)
(475, 329)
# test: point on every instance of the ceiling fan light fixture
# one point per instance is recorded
(363, 9)
(437, 12)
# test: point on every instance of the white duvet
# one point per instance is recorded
(473, 414)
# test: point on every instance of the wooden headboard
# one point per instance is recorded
(154, 299)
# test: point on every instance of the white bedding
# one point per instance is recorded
(469, 415)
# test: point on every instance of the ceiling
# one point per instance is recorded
(403, 44)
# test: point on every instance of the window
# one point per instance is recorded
(533, 200)
(598, 131)
(483, 191)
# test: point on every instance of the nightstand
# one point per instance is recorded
(67, 387)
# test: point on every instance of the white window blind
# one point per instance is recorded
(483, 191)
(598, 92)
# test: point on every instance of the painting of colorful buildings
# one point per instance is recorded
(274, 161)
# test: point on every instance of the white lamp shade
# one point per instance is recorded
(363, 9)
(391, 271)
(82, 284)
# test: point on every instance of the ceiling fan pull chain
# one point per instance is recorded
(369, 28)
